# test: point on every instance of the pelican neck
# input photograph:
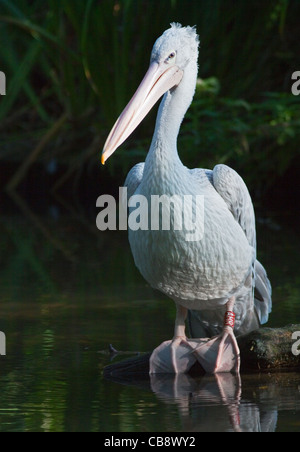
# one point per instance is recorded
(164, 142)
(163, 150)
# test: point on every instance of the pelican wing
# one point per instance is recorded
(233, 190)
(262, 293)
(231, 187)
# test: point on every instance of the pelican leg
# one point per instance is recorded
(221, 353)
(228, 338)
(174, 357)
(181, 315)
(179, 335)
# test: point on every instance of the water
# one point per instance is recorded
(67, 291)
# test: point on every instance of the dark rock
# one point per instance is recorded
(269, 349)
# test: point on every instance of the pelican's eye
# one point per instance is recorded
(171, 57)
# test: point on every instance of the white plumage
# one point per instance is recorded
(203, 275)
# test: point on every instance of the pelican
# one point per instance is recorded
(216, 282)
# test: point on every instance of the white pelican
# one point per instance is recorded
(212, 277)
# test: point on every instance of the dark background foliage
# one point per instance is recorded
(72, 65)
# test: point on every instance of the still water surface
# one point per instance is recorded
(67, 291)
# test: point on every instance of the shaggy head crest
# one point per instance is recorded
(182, 40)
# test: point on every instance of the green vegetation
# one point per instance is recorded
(72, 65)
(259, 138)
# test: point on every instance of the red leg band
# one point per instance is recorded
(229, 319)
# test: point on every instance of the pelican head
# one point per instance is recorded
(171, 55)
(177, 45)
